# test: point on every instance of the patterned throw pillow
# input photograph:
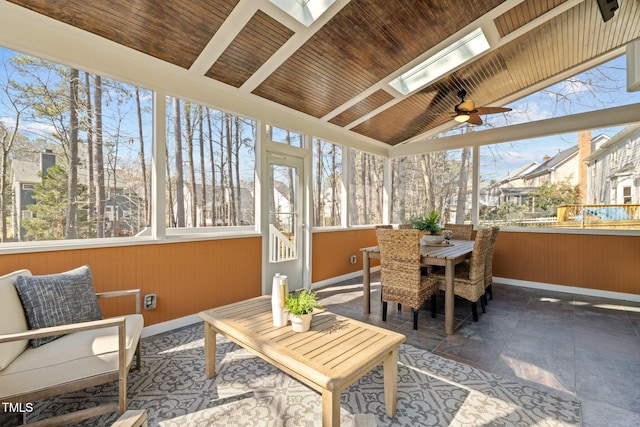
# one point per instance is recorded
(58, 299)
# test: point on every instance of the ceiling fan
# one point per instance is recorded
(466, 111)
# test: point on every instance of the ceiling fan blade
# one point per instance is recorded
(474, 119)
(492, 110)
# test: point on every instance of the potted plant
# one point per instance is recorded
(300, 306)
(429, 224)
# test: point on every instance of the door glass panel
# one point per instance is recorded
(283, 217)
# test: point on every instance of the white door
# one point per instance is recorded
(285, 221)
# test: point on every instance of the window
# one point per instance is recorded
(327, 184)
(626, 195)
(284, 136)
(434, 67)
(79, 162)
(210, 167)
(438, 181)
(581, 180)
(366, 188)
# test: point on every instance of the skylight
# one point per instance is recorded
(304, 11)
(447, 59)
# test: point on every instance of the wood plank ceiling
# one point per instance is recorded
(339, 72)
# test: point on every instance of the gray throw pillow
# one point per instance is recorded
(58, 299)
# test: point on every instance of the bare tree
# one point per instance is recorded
(189, 126)
(463, 182)
(7, 140)
(145, 194)
(232, 197)
(203, 175)
(89, 127)
(71, 226)
(180, 220)
(213, 169)
(98, 145)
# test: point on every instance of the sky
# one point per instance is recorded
(599, 88)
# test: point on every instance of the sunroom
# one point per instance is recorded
(247, 138)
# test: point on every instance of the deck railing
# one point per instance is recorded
(596, 213)
(281, 248)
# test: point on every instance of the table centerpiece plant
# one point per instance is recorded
(300, 305)
(430, 225)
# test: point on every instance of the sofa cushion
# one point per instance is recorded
(12, 318)
(72, 357)
(58, 299)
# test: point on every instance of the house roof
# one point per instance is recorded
(336, 71)
(553, 162)
(520, 172)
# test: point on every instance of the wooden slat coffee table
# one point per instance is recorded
(335, 353)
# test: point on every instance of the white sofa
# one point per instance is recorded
(91, 353)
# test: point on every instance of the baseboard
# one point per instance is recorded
(568, 289)
(338, 279)
(170, 325)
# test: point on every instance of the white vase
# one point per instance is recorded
(300, 323)
(278, 295)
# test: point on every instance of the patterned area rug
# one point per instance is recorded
(432, 391)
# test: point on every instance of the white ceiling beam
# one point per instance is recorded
(610, 117)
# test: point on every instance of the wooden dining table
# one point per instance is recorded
(446, 255)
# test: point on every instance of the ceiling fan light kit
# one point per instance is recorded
(466, 111)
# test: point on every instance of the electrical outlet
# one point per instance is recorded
(352, 260)
(149, 301)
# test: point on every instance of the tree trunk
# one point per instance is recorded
(213, 170)
(180, 220)
(203, 175)
(90, 167)
(7, 141)
(172, 218)
(462, 185)
(236, 156)
(334, 186)
(141, 156)
(71, 226)
(232, 197)
(99, 157)
(193, 206)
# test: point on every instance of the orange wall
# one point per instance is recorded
(331, 252)
(610, 263)
(191, 277)
(187, 277)
(601, 262)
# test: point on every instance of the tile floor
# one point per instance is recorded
(575, 346)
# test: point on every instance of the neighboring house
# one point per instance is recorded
(569, 165)
(614, 169)
(509, 189)
(23, 177)
(563, 167)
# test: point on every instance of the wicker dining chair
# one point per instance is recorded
(460, 231)
(488, 267)
(400, 272)
(468, 280)
(385, 226)
(405, 226)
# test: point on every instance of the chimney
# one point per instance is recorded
(584, 151)
(545, 159)
(47, 159)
